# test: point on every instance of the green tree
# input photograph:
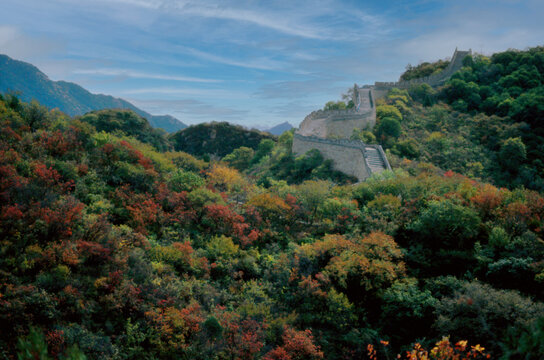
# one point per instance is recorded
(512, 154)
(387, 128)
(312, 194)
(240, 158)
(424, 94)
(447, 224)
(388, 111)
(264, 148)
(331, 105)
(185, 181)
(483, 314)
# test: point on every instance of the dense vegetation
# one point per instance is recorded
(424, 69)
(486, 122)
(112, 246)
(128, 123)
(216, 138)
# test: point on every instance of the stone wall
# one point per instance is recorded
(347, 155)
(340, 123)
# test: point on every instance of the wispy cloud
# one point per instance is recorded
(260, 63)
(141, 75)
(309, 20)
(298, 89)
(274, 22)
(146, 4)
(172, 91)
(293, 110)
(191, 110)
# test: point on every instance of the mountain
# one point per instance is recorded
(31, 83)
(216, 138)
(280, 129)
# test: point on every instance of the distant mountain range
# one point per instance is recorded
(31, 83)
(279, 129)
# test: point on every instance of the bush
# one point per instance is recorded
(484, 314)
(388, 127)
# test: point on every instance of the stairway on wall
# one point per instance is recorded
(364, 100)
(374, 160)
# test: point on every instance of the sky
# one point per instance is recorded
(249, 62)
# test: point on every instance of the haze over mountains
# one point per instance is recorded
(31, 83)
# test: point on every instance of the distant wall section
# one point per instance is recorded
(456, 63)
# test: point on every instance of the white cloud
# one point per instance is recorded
(141, 75)
(191, 110)
(17, 45)
(146, 4)
(307, 19)
(205, 93)
(260, 63)
(277, 22)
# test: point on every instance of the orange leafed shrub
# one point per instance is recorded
(269, 203)
(374, 261)
(297, 345)
(488, 199)
(224, 178)
(443, 350)
(175, 327)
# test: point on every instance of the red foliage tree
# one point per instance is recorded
(297, 345)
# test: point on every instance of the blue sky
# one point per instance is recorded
(255, 63)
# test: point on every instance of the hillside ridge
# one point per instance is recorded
(31, 83)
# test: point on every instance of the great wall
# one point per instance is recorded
(329, 130)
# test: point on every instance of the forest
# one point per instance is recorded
(115, 244)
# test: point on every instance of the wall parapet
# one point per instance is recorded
(340, 142)
(332, 114)
(384, 158)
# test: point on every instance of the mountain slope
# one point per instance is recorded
(280, 128)
(70, 98)
(116, 248)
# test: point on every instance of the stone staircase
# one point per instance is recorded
(374, 160)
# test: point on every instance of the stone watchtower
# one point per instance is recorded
(329, 130)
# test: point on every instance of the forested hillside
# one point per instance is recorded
(113, 245)
(31, 84)
(216, 138)
(487, 121)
